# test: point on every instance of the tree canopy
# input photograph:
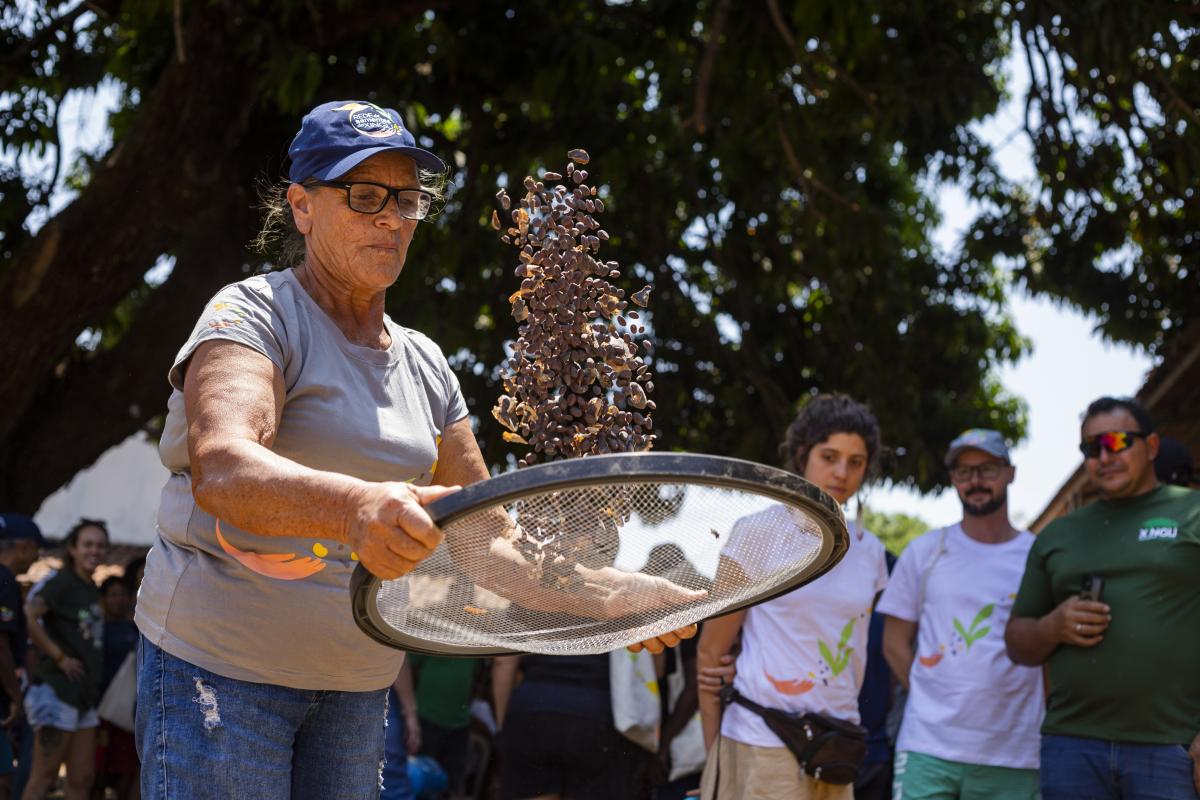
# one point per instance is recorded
(769, 168)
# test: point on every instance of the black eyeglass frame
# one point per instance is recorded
(392, 193)
(1091, 446)
(968, 473)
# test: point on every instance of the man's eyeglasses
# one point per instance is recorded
(989, 472)
(1113, 442)
(370, 198)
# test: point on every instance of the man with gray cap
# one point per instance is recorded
(970, 727)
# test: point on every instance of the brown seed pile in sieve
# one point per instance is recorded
(576, 383)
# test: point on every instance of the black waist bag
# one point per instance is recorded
(827, 748)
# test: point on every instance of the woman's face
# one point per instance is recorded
(89, 550)
(838, 465)
(364, 252)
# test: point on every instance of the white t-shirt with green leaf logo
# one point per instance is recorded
(967, 701)
(805, 650)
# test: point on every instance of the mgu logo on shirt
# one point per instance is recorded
(1159, 528)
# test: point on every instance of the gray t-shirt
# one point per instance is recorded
(277, 609)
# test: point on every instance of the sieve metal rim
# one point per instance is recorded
(614, 468)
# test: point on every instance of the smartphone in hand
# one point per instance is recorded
(1092, 588)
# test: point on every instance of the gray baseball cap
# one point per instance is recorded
(989, 441)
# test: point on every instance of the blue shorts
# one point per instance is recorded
(43, 709)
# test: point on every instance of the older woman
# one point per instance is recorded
(303, 434)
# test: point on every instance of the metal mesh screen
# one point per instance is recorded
(591, 569)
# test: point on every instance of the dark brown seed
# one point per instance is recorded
(579, 156)
(641, 296)
(551, 176)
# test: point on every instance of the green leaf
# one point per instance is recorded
(825, 654)
(961, 630)
(979, 634)
(983, 614)
(847, 632)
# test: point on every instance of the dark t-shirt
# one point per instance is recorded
(12, 616)
(875, 696)
(120, 637)
(73, 622)
(574, 685)
(1142, 682)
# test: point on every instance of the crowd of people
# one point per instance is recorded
(63, 641)
(990, 663)
(307, 431)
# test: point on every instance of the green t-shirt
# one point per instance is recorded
(73, 621)
(1142, 682)
(443, 688)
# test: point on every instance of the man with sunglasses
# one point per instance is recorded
(1123, 713)
(970, 724)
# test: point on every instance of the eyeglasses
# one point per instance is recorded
(370, 198)
(1113, 442)
(989, 472)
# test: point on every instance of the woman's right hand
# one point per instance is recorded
(71, 667)
(389, 528)
(713, 679)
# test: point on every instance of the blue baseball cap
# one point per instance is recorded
(989, 441)
(19, 526)
(336, 137)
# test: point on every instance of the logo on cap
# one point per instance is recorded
(371, 120)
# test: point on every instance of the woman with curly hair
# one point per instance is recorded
(804, 651)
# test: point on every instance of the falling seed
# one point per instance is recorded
(551, 176)
(642, 296)
(495, 220)
(579, 156)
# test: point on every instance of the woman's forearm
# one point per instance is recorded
(261, 492)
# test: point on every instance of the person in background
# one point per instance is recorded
(874, 780)
(1123, 714)
(443, 692)
(134, 571)
(557, 739)
(20, 542)
(679, 713)
(971, 720)
(1173, 465)
(66, 627)
(401, 736)
(116, 753)
(804, 651)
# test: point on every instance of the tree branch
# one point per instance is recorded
(708, 63)
(805, 176)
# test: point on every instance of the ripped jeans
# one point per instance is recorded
(201, 735)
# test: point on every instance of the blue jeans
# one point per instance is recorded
(395, 768)
(1074, 768)
(201, 735)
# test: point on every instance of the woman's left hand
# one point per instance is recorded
(72, 668)
(663, 641)
(714, 679)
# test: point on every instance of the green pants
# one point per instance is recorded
(922, 777)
